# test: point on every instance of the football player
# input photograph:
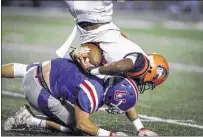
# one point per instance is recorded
(119, 54)
(94, 24)
(60, 90)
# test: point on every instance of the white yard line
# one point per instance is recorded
(185, 67)
(8, 93)
(145, 118)
(170, 121)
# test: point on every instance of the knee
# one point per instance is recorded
(55, 106)
(61, 112)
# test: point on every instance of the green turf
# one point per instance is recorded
(33, 30)
(183, 46)
(120, 123)
(159, 31)
(180, 97)
(174, 52)
(10, 105)
(186, 45)
(52, 21)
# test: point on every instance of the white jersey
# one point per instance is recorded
(91, 11)
(115, 47)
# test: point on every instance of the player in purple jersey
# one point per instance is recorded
(60, 90)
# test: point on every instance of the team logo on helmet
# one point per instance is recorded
(160, 71)
(119, 96)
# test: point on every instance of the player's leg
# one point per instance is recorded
(41, 99)
(58, 116)
(24, 117)
(37, 98)
(56, 110)
(13, 70)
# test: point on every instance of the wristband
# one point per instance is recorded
(19, 70)
(95, 71)
(103, 132)
(111, 133)
(142, 129)
(137, 124)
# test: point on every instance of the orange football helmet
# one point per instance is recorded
(156, 74)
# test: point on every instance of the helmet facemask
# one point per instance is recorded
(114, 109)
(144, 85)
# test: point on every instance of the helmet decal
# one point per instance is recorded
(118, 96)
(160, 71)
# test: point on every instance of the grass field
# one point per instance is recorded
(27, 39)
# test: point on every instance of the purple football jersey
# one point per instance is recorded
(69, 82)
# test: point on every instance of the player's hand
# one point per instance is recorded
(146, 132)
(119, 134)
(84, 62)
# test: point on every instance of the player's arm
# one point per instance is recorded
(85, 56)
(13, 70)
(114, 68)
(134, 118)
(88, 126)
(84, 106)
(82, 113)
(135, 63)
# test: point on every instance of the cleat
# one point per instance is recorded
(21, 119)
(8, 124)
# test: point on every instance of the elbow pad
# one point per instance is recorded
(140, 66)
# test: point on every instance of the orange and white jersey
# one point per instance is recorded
(114, 45)
(117, 50)
(91, 11)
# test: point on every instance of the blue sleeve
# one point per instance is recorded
(90, 96)
(84, 102)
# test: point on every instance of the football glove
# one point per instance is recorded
(80, 52)
(146, 132)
